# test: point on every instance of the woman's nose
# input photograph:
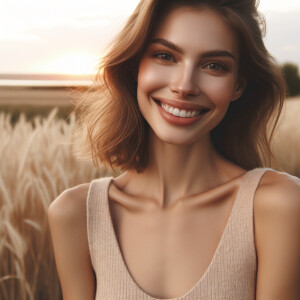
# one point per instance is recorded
(185, 82)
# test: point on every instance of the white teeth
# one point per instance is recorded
(176, 112)
(180, 112)
(171, 109)
(183, 114)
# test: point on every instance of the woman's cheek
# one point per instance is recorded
(218, 89)
(153, 76)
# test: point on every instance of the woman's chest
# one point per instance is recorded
(167, 253)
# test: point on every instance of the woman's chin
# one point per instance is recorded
(175, 139)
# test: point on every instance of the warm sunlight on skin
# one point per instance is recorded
(200, 67)
(73, 63)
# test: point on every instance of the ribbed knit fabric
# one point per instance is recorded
(231, 274)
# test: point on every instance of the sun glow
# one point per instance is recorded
(73, 63)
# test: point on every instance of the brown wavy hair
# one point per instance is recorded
(111, 124)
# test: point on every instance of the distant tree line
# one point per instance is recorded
(292, 78)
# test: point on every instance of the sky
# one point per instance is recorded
(64, 36)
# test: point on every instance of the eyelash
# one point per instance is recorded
(220, 66)
(160, 55)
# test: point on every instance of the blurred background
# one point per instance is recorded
(48, 50)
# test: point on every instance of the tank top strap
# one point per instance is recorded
(238, 240)
(113, 281)
(97, 218)
(245, 199)
(235, 261)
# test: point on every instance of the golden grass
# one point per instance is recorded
(36, 166)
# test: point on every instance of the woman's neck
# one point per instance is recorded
(176, 171)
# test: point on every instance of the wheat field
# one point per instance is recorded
(37, 164)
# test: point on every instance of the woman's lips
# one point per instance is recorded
(180, 104)
(179, 117)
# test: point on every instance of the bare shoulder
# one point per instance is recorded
(67, 220)
(70, 204)
(278, 192)
(277, 184)
(277, 236)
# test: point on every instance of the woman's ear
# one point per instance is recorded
(239, 89)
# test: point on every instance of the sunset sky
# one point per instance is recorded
(62, 36)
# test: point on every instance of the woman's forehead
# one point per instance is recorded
(195, 27)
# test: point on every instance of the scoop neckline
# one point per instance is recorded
(206, 272)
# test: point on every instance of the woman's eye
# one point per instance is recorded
(216, 67)
(164, 56)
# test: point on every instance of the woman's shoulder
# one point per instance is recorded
(70, 205)
(278, 190)
(277, 234)
(277, 209)
(278, 195)
(67, 223)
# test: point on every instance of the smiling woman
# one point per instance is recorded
(189, 56)
(182, 104)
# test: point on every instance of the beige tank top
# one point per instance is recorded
(231, 275)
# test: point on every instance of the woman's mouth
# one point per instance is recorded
(180, 116)
(182, 113)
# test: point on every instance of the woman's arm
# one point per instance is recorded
(67, 220)
(277, 237)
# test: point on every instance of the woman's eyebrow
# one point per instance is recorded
(168, 44)
(215, 53)
(212, 53)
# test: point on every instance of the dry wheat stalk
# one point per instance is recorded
(37, 164)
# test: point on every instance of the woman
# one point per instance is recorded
(186, 94)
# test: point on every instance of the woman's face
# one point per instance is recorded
(188, 75)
